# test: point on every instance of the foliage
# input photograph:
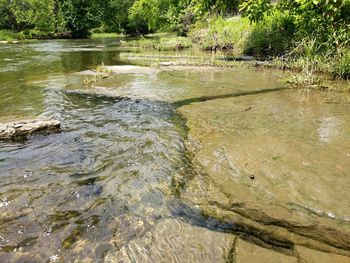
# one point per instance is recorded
(222, 34)
(342, 68)
(327, 21)
(143, 15)
(27, 14)
(182, 14)
(115, 15)
(8, 35)
(222, 7)
(255, 9)
(272, 37)
(313, 34)
(80, 16)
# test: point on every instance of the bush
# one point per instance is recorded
(8, 35)
(274, 36)
(222, 34)
(342, 66)
(174, 43)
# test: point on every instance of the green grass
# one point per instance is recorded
(342, 68)
(227, 34)
(106, 35)
(26, 35)
(160, 42)
(8, 35)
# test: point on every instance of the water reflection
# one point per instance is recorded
(329, 128)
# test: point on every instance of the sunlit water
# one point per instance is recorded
(112, 180)
(115, 158)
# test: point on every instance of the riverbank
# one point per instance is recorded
(276, 41)
(9, 36)
(305, 72)
(293, 76)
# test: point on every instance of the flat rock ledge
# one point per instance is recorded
(23, 129)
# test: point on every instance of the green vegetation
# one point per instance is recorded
(273, 37)
(311, 35)
(105, 35)
(222, 34)
(160, 42)
(8, 35)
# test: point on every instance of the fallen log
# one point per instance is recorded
(22, 129)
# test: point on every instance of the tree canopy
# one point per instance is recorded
(142, 16)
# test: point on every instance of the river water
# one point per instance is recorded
(149, 165)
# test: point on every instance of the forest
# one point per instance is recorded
(318, 30)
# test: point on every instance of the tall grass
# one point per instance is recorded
(226, 34)
(342, 68)
(159, 42)
(8, 35)
(105, 35)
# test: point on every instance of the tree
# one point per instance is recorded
(81, 15)
(27, 14)
(144, 16)
(223, 7)
(115, 14)
(326, 21)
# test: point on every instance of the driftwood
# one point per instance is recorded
(23, 129)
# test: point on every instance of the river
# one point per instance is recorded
(172, 164)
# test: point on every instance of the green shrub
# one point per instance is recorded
(342, 66)
(8, 35)
(222, 34)
(175, 43)
(273, 36)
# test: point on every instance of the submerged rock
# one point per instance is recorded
(173, 240)
(23, 129)
(279, 172)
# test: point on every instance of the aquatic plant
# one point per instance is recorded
(103, 69)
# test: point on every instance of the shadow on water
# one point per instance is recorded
(185, 102)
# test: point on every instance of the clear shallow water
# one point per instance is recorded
(115, 157)
(115, 170)
(119, 182)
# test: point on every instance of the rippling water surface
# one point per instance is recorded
(115, 160)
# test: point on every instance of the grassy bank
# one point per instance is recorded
(106, 35)
(278, 40)
(160, 42)
(27, 35)
(7, 35)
